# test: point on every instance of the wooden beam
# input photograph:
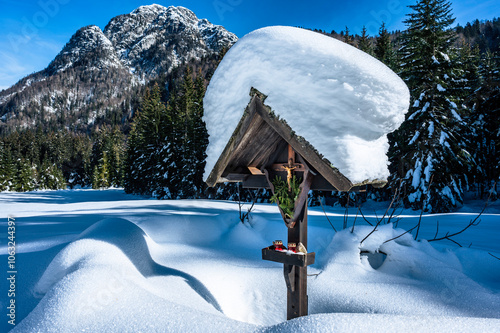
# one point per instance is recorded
(255, 171)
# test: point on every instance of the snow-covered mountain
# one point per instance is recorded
(95, 74)
(153, 38)
(88, 47)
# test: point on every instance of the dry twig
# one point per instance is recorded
(493, 256)
(321, 203)
(246, 216)
(472, 223)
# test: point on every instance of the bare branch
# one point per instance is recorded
(404, 233)
(354, 223)
(364, 218)
(437, 229)
(396, 194)
(454, 241)
(321, 203)
(396, 197)
(245, 216)
(419, 222)
(447, 236)
(371, 232)
(493, 256)
(472, 223)
(390, 205)
(346, 213)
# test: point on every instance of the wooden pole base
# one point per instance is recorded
(297, 302)
(295, 276)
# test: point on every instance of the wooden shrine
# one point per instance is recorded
(262, 147)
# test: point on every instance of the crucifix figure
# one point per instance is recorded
(290, 168)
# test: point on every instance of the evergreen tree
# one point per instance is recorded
(347, 37)
(6, 167)
(171, 151)
(117, 156)
(384, 49)
(200, 138)
(464, 86)
(101, 176)
(146, 140)
(468, 64)
(109, 141)
(25, 177)
(154, 113)
(51, 177)
(187, 108)
(427, 145)
(131, 178)
(166, 146)
(486, 125)
(77, 168)
(364, 43)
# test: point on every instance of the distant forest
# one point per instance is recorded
(451, 131)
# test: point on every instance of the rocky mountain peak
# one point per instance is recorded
(95, 76)
(154, 39)
(88, 47)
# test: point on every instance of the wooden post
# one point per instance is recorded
(296, 276)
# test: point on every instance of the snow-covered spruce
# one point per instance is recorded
(429, 156)
(340, 99)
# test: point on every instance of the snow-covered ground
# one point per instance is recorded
(104, 261)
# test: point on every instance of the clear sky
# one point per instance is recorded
(33, 32)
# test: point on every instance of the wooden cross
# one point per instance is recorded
(290, 167)
(295, 272)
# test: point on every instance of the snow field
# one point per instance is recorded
(106, 261)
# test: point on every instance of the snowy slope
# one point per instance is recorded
(338, 98)
(103, 261)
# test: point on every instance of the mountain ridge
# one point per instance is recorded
(96, 72)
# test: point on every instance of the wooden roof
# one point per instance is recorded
(261, 139)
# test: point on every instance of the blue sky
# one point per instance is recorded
(33, 32)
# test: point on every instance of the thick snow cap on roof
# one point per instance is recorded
(338, 98)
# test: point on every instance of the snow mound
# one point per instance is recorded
(428, 281)
(340, 99)
(110, 283)
(355, 322)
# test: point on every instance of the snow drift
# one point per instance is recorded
(340, 99)
(133, 265)
(100, 283)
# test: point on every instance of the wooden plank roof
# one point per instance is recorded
(259, 140)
